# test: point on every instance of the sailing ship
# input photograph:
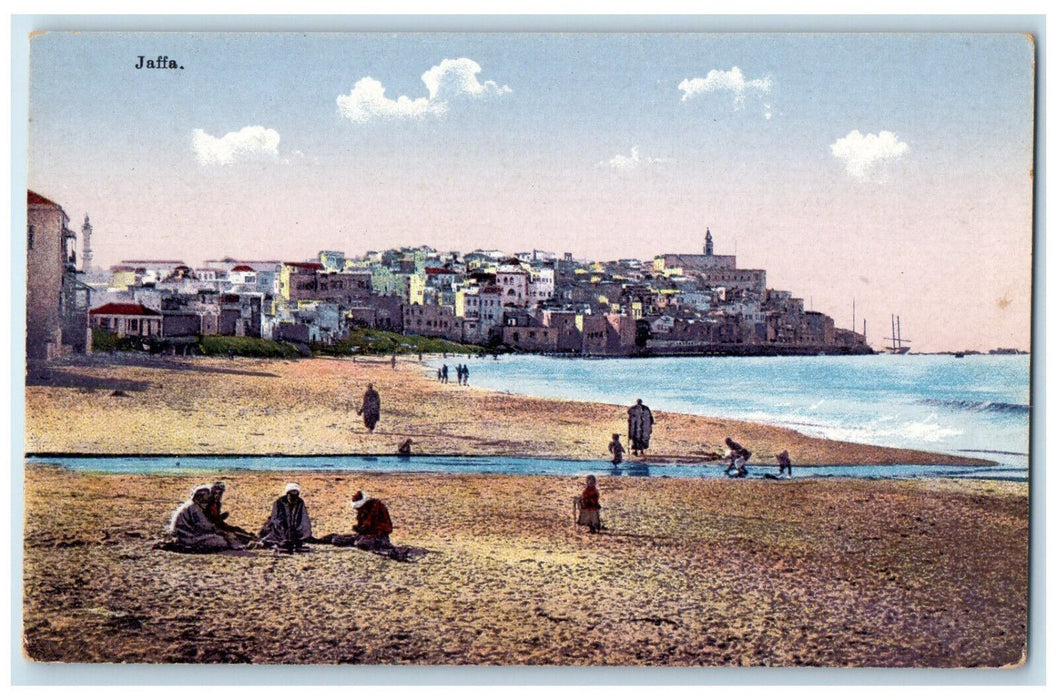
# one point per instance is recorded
(900, 345)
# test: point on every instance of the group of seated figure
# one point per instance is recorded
(201, 526)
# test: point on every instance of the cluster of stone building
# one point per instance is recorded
(531, 302)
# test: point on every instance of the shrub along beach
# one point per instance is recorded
(831, 572)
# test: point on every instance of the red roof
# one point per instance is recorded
(438, 271)
(492, 290)
(118, 309)
(242, 268)
(307, 265)
(32, 198)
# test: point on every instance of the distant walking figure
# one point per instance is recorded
(392, 362)
(444, 374)
(465, 375)
(590, 507)
(616, 449)
(371, 408)
(640, 427)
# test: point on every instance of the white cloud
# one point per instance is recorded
(627, 163)
(454, 78)
(732, 81)
(458, 76)
(367, 100)
(251, 142)
(863, 154)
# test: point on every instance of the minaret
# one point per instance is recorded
(708, 242)
(86, 239)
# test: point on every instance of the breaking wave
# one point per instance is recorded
(987, 406)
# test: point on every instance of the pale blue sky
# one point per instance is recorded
(544, 157)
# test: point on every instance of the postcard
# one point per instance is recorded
(457, 349)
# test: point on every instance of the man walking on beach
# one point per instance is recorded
(371, 408)
(288, 527)
(640, 427)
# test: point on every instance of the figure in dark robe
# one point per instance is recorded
(739, 457)
(288, 527)
(640, 427)
(785, 465)
(371, 408)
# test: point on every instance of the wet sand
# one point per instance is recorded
(135, 405)
(834, 572)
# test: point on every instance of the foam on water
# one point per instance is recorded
(937, 403)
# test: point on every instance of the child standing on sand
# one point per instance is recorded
(616, 449)
(589, 507)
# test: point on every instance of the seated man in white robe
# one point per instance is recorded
(191, 529)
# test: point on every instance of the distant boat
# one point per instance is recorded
(900, 345)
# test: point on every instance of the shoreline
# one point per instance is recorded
(160, 406)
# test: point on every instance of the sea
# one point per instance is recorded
(975, 406)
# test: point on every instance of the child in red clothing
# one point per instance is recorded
(589, 507)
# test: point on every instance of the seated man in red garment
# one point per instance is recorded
(372, 522)
(372, 527)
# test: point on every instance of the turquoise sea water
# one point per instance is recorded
(974, 406)
(977, 406)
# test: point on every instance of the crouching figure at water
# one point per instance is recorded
(739, 456)
(784, 464)
(288, 527)
(589, 507)
(191, 531)
(373, 527)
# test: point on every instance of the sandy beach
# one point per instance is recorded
(834, 572)
(140, 405)
(687, 572)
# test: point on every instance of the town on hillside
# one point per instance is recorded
(534, 301)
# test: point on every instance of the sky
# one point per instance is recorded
(892, 170)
